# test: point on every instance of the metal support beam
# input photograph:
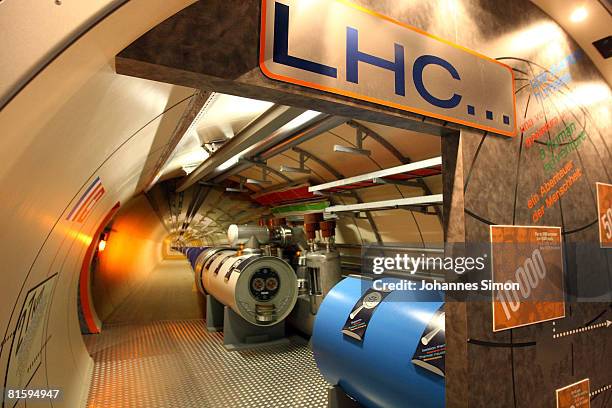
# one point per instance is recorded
(198, 103)
(405, 168)
(397, 182)
(301, 169)
(320, 125)
(267, 168)
(265, 126)
(360, 135)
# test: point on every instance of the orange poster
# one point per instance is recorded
(604, 213)
(576, 395)
(530, 260)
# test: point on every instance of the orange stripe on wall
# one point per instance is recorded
(86, 301)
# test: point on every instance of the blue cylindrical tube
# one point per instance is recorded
(378, 372)
(192, 255)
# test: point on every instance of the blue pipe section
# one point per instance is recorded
(378, 372)
(192, 255)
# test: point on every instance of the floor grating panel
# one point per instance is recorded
(180, 364)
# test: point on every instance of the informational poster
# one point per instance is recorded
(357, 321)
(30, 337)
(431, 349)
(576, 395)
(604, 214)
(531, 260)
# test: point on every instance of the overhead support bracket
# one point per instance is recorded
(301, 169)
(263, 180)
(241, 189)
(264, 166)
(360, 135)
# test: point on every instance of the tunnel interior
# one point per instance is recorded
(154, 313)
(184, 223)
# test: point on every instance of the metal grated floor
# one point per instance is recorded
(180, 364)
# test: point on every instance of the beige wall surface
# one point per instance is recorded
(133, 249)
(75, 121)
(33, 30)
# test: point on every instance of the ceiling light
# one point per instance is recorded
(257, 181)
(302, 119)
(351, 150)
(579, 14)
(188, 168)
(229, 163)
(289, 169)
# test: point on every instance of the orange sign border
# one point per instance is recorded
(492, 291)
(588, 380)
(598, 211)
(354, 95)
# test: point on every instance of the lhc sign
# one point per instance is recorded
(338, 47)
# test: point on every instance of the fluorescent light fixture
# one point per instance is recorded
(229, 163)
(404, 168)
(579, 14)
(351, 150)
(197, 155)
(188, 168)
(293, 124)
(289, 169)
(257, 181)
(300, 120)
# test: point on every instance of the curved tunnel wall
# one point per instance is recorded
(109, 126)
(133, 250)
(74, 122)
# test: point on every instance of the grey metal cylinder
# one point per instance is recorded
(261, 289)
(241, 234)
(205, 261)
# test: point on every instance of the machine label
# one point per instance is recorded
(364, 55)
(218, 268)
(357, 322)
(236, 266)
(431, 350)
(233, 269)
(531, 257)
(604, 213)
(576, 395)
